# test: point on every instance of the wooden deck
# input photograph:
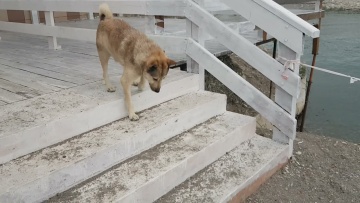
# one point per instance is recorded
(29, 69)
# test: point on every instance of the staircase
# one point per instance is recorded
(174, 143)
(186, 147)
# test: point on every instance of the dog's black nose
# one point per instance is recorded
(157, 90)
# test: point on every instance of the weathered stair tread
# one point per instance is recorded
(223, 179)
(61, 166)
(39, 110)
(149, 175)
(36, 123)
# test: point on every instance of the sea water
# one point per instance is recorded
(334, 103)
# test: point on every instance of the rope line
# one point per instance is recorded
(290, 64)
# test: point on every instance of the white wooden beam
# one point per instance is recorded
(143, 7)
(170, 44)
(258, 59)
(150, 27)
(49, 20)
(252, 96)
(196, 33)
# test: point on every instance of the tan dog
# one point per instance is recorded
(141, 58)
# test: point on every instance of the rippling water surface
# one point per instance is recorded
(334, 108)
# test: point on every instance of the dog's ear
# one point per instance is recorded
(170, 62)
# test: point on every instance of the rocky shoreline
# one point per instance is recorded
(342, 5)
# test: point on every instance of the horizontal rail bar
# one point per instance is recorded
(171, 44)
(282, 24)
(254, 56)
(252, 96)
(289, 17)
(142, 7)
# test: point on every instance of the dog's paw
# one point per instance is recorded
(111, 89)
(133, 117)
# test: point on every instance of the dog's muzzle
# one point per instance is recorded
(157, 90)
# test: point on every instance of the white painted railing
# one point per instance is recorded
(281, 24)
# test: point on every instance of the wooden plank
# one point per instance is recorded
(149, 7)
(27, 82)
(44, 72)
(32, 80)
(60, 61)
(86, 73)
(10, 97)
(244, 49)
(252, 96)
(19, 89)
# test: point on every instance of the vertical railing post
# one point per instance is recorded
(150, 24)
(197, 34)
(49, 20)
(159, 24)
(91, 15)
(154, 24)
(285, 100)
(34, 17)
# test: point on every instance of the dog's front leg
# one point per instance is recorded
(126, 84)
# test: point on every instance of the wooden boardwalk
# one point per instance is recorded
(29, 69)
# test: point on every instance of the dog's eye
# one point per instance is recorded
(155, 79)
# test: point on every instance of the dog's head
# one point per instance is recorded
(156, 68)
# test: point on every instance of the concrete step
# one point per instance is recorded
(234, 176)
(36, 123)
(44, 173)
(150, 175)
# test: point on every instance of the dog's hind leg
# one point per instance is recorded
(104, 60)
(141, 84)
(126, 82)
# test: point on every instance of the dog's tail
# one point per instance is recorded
(105, 12)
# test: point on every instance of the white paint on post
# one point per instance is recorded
(193, 31)
(150, 25)
(198, 34)
(91, 15)
(49, 19)
(284, 100)
(34, 17)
